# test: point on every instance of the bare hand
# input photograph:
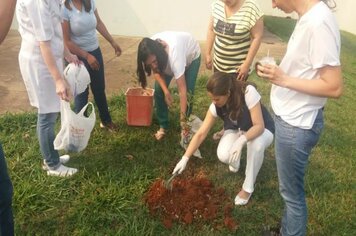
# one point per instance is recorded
(242, 71)
(71, 58)
(168, 99)
(93, 63)
(63, 90)
(273, 73)
(116, 48)
(208, 62)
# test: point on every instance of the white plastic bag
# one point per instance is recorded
(194, 124)
(75, 128)
(77, 77)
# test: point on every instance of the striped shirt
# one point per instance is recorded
(233, 39)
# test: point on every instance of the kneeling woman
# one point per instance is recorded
(246, 122)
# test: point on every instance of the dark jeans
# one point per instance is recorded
(97, 85)
(6, 217)
(191, 73)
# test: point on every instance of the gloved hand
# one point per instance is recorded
(181, 165)
(235, 150)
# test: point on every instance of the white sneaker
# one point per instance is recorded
(62, 159)
(62, 171)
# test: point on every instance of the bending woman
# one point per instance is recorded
(246, 122)
(166, 55)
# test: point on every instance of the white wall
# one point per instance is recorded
(147, 17)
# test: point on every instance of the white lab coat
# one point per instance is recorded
(40, 20)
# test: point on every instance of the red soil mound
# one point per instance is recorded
(191, 200)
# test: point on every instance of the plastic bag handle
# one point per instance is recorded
(81, 112)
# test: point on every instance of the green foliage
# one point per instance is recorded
(116, 169)
(280, 26)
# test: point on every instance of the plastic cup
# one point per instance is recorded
(267, 61)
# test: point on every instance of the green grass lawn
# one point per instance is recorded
(106, 196)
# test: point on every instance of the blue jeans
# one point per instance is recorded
(97, 85)
(293, 146)
(6, 216)
(46, 136)
(191, 73)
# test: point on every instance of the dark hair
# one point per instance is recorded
(86, 3)
(146, 48)
(221, 84)
(330, 3)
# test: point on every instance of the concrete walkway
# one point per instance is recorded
(119, 71)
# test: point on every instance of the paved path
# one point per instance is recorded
(119, 71)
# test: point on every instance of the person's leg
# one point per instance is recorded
(254, 159)
(223, 150)
(46, 136)
(81, 100)
(191, 74)
(97, 85)
(6, 191)
(293, 147)
(160, 104)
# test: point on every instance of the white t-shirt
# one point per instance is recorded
(315, 43)
(182, 50)
(252, 97)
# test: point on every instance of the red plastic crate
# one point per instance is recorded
(139, 106)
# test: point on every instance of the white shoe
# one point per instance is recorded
(62, 171)
(240, 201)
(234, 167)
(62, 159)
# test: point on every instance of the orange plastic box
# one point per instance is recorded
(139, 106)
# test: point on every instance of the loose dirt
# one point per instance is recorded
(192, 200)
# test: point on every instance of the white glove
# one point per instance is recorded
(235, 150)
(181, 165)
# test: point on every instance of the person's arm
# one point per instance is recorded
(200, 135)
(258, 124)
(69, 57)
(210, 38)
(329, 83)
(69, 43)
(183, 96)
(254, 131)
(62, 88)
(75, 49)
(7, 9)
(105, 33)
(256, 38)
(196, 141)
(167, 95)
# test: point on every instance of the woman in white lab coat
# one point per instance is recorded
(41, 64)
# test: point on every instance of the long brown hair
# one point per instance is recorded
(222, 84)
(86, 3)
(146, 48)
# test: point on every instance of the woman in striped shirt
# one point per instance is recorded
(235, 31)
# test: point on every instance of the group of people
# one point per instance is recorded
(307, 75)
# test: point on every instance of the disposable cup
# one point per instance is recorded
(267, 61)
